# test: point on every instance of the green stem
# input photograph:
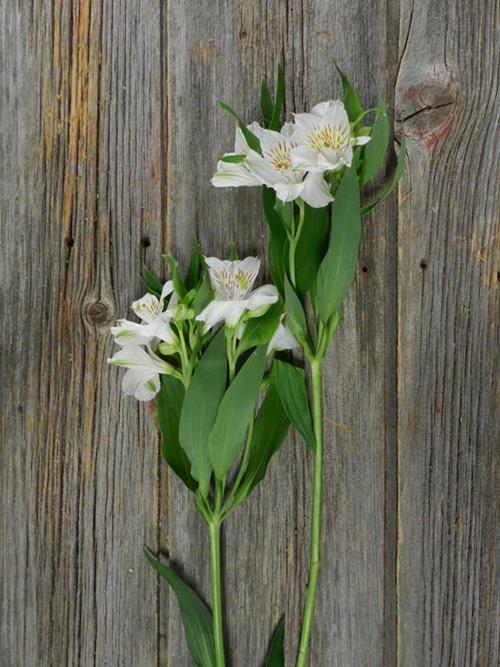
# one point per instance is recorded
(294, 239)
(317, 408)
(214, 526)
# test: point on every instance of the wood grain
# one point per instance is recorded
(109, 132)
(448, 337)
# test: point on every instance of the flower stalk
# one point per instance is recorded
(314, 557)
(214, 527)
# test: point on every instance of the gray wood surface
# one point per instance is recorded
(109, 131)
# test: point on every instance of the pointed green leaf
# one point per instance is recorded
(375, 150)
(195, 269)
(278, 100)
(152, 283)
(168, 411)
(204, 294)
(260, 330)
(276, 653)
(266, 104)
(269, 431)
(176, 276)
(196, 617)
(296, 317)
(351, 99)
(200, 407)
(398, 172)
(234, 414)
(233, 159)
(250, 137)
(290, 383)
(312, 246)
(278, 242)
(338, 268)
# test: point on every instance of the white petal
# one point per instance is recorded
(143, 385)
(132, 356)
(247, 271)
(304, 157)
(131, 333)
(289, 192)
(265, 295)
(335, 114)
(147, 308)
(219, 311)
(168, 288)
(321, 108)
(240, 143)
(262, 169)
(283, 339)
(233, 174)
(316, 192)
(160, 328)
(361, 140)
(307, 121)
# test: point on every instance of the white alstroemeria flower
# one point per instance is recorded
(142, 378)
(232, 282)
(283, 339)
(273, 168)
(156, 321)
(327, 142)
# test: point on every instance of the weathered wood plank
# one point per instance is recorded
(80, 185)
(108, 138)
(448, 336)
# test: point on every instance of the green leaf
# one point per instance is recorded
(276, 653)
(351, 99)
(195, 269)
(398, 172)
(250, 137)
(285, 212)
(260, 330)
(200, 407)
(296, 318)
(235, 412)
(338, 268)
(196, 617)
(234, 159)
(204, 294)
(266, 104)
(168, 411)
(152, 283)
(278, 242)
(278, 100)
(312, 246)
(291, 387)
(376, 148)
(176, 276)
(269, 431)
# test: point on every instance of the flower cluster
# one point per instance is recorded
(170, 336)
(294, 162)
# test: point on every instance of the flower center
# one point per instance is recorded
(329, 136)
(280, 157)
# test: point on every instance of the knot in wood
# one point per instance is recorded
(427, 110)
(98, 314)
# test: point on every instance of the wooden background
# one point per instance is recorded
(109, 133)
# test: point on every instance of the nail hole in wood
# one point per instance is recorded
(364, 269)
(70, 242)
(423, 264)
(145, 242)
